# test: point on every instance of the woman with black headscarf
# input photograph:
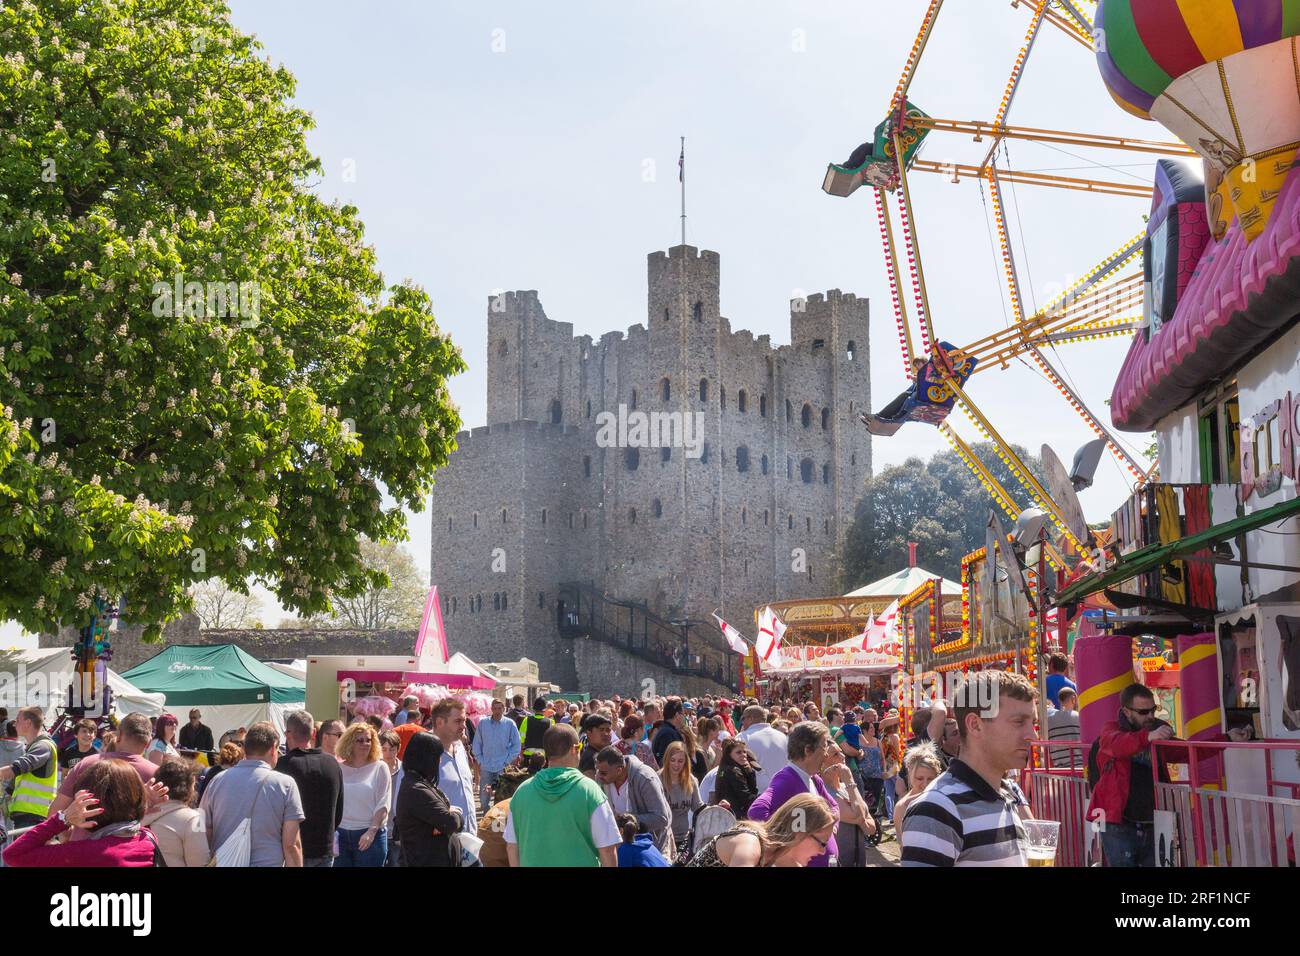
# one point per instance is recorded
(426, 820)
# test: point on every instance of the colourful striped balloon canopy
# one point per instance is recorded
(1144, 45)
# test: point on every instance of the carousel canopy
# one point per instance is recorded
(902, 583)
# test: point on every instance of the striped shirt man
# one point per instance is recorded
(961, 821)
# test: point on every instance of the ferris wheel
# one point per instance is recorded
(1106, 302)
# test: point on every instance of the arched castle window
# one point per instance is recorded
(475, 520)
(543, 516)
(789, 523)
(505, 598)
(704, 455)
(806, 471)
(826, 474)
(588, 408)
(698, 311)
(766, 517)
(789, 411)
(744, 514)
(667, 389)
(762, 406)
(740, 401)
(658, 508)
(765, 464)
(634, 399)
(557, 411)
(704, 389)
(665, 453)
(632, 458)
(851, 350)
(502, 349)
(631, 516)
(742, 458)
(826, 418)
(722, 398)
(496, 600)
(806, 415)
(586, 466)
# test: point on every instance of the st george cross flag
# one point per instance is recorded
(770, 633)
(883, 631)
(734, 640)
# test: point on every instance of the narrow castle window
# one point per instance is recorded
(766, 516)
(570, 520)
(851, 350)
(826, 418)
(632, 458)
(742, 458)
(765, 464)
(698, 311)
(722, 398)
(502, 349)
(740, 401)
(704, 389)
(806, 471)
(475, 520)
(826, 474)
(588, 408)
(704, 456)
(806, 415)
(541, 599)
(744, 514)
(454, 602)
(479, 604)
(503, 515)
(504, 600)
(667, 389)
(557, 411)
(634, 399)
(449, 524)
(496, 600)
(584, 521)
(789, 468)
(789, 524)
(658, 508)
(586, 466)
(826, 526)
(762, 406)
(853, 459)
(665, 315)
(543, 516)
(789, 411)
(665, 453)
(631, 516)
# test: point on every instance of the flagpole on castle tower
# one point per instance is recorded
(681, 177)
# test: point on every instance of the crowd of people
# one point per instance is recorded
(609, 782)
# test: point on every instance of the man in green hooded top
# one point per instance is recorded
(561, 817)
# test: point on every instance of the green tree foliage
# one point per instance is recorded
(939, 504)
(149, 441)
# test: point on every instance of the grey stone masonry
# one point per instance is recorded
(749, 508)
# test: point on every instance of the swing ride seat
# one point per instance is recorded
(842, 181)
(879, 426)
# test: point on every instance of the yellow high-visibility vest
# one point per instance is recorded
(34, 794)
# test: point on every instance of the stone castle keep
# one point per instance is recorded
(544, 495)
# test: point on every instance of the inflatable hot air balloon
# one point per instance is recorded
(1222, 75)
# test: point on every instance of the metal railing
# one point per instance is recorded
(1218, 827)
(1056, 785)
(584, 611)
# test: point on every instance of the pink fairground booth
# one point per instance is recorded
(333, 680)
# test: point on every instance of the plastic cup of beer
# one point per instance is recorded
(1042, 836)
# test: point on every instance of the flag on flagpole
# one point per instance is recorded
(770, 634)
(884, 631)
(866, 631)
(681, 164)
(734, 640)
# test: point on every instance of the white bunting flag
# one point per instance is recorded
(734, 640)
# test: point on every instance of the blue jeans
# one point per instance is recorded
(487, 779)
(351, 854)
(890, 796)
(1129, 844)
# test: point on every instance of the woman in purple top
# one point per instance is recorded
(808, 749)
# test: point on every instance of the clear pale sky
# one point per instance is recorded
(505, 146)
